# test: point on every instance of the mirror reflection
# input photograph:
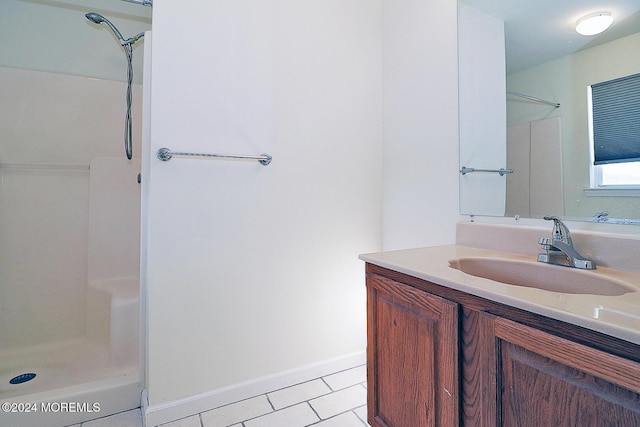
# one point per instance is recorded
(518, 60)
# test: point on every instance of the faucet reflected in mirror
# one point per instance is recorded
(559, 248)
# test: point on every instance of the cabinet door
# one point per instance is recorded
(543, 380)
(412, 356)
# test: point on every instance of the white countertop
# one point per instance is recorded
(618, 316)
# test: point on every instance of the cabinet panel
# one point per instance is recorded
(545, 380)
(412, 356)
(478, 364)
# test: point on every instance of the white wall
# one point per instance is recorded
(253, 270)
(482, 111)
(420, 130)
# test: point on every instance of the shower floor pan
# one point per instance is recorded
(82, 379)
(88, 378)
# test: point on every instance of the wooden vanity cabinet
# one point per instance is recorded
(439, 357)
(543, 380)
(412, 357)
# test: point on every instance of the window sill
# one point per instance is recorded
(612, 192)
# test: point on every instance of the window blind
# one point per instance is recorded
(616, 120)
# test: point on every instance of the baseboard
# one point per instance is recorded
(171, 411)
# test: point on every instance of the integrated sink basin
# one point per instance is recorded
(542, 276)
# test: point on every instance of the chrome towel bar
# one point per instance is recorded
(465, 170)
(165, 155)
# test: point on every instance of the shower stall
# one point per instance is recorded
(70, 306)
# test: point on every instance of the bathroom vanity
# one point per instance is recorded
(447, 348)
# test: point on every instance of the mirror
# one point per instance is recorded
(508, 49)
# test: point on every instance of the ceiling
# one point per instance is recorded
(538, 31)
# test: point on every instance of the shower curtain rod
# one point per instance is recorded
(142, 2)
(532, 98)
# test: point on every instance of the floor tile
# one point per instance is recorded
(193, 421)
(348, 419)
(339, 401)
(131, 418)
(236, 412)
(298, 393)
(347, 378)
(362, 413)
(300, 415)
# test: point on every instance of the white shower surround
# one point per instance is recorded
(70, 208)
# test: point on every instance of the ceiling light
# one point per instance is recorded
(594, 23)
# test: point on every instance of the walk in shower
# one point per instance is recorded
(70, 334)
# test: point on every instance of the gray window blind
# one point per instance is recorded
(616, 120)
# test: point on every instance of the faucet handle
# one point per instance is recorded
(546, 243)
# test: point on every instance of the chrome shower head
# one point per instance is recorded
(96, 18)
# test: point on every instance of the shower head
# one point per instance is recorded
(96, 18)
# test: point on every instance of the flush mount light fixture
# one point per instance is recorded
(594, 23)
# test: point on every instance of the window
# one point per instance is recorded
(614, 121)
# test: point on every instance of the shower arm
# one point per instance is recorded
(132, 40)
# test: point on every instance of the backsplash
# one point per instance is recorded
(617, 251)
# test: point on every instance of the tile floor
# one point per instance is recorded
(336, 400)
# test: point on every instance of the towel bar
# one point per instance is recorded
(165, 155)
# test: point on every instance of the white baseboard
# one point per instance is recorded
(177, 409)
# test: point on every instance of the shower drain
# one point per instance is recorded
(22, 378)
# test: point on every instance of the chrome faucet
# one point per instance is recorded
(560, 247)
